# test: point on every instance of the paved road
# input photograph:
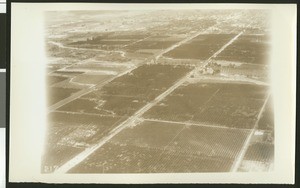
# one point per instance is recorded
(244, 149)
(131, 120)
(84, 92)
(194, 124)
(92, 88)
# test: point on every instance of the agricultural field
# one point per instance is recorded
(56, 94)
(252, 71)
(91, 78)
(151, 44)
(251, 49)
(100, 67)
(153, 147)
(128, 93)
(221, 104)
(55, 79)
(266, 122)
(134, 92)
(260, 152)
(201, 47)
(69, 134)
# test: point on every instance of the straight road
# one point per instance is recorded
(134, 118)
(92, 88)
(244, 149)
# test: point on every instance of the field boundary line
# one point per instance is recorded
(132, 120)
(195, 124)
(240, 157)
(84, 92)
(210, 98)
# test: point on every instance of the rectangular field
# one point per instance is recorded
(91, 78)
(153, 147)
(253, 71)
(154, 44)
(202, 47)
(104, 68)
(252, 49)
(266, 122)
(260, 153)
(56, 94)
(105, 105)
(69, 134)
(55, 79)
(221, 104)
(126, 94)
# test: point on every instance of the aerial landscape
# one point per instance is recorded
(158, 91)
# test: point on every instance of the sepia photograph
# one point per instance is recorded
(133, 92)
(157, 90)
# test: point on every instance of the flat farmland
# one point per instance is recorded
(69, 134)
(146, 78)
(201, 47)
(221, 104)
(266, 122)
(55, 79)
(68, 73)
(105, 68)
(105, 105)
(134, 92)
(248, 49)
(231, 112)
(259, 155)
(68, 84)
(253, 71)
(56, 94)
(130, 36)
(209, 141)
(154, 147)
(108, 41)
(262, 152)
(61, 51)
(183, 103)
(155, 77)
(90, 78)
(155, 44)
(128, 93)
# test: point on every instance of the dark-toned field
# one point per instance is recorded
(155, 44)
(69, 134)
(91, 78)
(266, 122)
(222, 104)
(253, 71)
(55, 79)
(126, 94)
(201, 47)
(262, 152)
(248, 49)
(56, 94)
(165, 147)
(147, 98)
